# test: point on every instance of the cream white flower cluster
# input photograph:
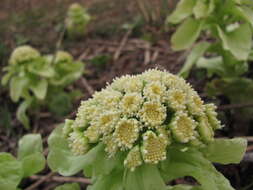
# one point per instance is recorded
(142, 115)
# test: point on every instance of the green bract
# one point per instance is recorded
(141, 132)
(33, 77)
(77, 20)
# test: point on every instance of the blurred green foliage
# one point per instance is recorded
(219, 35)
(77, 21)
(40, 80)
(30, 160)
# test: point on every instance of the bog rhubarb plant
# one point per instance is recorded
(35, 79)
(77, 20)
(141, 132)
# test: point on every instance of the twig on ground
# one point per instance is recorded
(122, 44)
(58, 44)
(234, 106)
(142, 8)
(155, 56)
(40, 181)
(84, 55)
(248, 138)
(62, 179)
(248, 157)
(249, 148)
(86, 85)
(147, 55)
(131, 45)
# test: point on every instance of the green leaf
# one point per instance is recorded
(61, 104)
(21, 113)
(17, 86)
(183, 10)
(195, 54)
(192, 163)
(62, 160)
(6, 78)
(42, 68)
(101, 164)
(67, 73)
(226, 151)
(30, 153)
(245, 12)
(238, 42)
(29, 144)
(71, 186)
(112, 181)
(10, 172)
(145, 177)
(213, 65)
(39, 88)
(33, 164)
(200, 10)
(186, 34)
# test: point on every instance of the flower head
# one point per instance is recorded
(63, 57)
(176, 99)
(154, 148)
(143, 116)
(68, 127)
(153, 113)
(126, 132)
(92, 133)
(78, 143)
(133, 158)
(154, 90)
(212, 116)
(183, 127)
(131, 103)
(23, 54)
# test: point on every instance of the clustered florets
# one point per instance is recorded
(143, 115)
